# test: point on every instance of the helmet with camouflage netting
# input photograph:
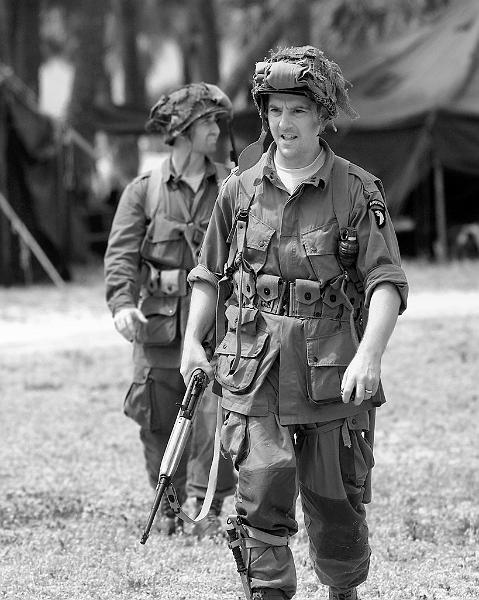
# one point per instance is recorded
(303, 70)
(175, 112)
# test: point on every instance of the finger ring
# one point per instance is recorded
(368, 391)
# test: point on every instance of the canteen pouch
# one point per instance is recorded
(162, 326)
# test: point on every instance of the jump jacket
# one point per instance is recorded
(291, 243)
(151, 249)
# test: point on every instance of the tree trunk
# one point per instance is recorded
(299, 31)
(5, 50)
(126, 147)
(258, 48)
(23, 22)
(203, 61)
(132, 68)
(88, 59)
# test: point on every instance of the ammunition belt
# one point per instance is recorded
(298, 298)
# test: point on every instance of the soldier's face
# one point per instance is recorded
(204, 134)
(295, 125)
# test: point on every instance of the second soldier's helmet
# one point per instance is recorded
(176, 111)
(303, 70)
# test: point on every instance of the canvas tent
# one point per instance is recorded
(30, 188)
(418, 98)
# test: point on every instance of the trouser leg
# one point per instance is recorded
(331, 482)
(201, 452)
(154, 446)
(167, 390)
(263, 454)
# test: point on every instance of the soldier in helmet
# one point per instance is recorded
(301, 252)
(155, 236)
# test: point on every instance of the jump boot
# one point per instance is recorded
(211, 526)
(267, 594)
(351, 594)
(168, 523)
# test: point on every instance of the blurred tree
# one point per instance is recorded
(202, 50)
(134, 78)
(5, 56)
(20, 46)
(298, 33)
(125, 148)
(272, 29)
(88, 28)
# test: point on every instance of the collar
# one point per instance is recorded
(168, 174)
(320, 178)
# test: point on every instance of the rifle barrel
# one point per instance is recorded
(160, 490)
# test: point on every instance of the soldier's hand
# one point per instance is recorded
(361, 379)
(128, 321)
(194, 357)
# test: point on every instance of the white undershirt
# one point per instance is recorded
(291, 178)
(194, 181)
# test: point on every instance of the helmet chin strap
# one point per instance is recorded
(182, 153)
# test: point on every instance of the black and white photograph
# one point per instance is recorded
(239, 299)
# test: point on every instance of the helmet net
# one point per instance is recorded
(175, 112)
(307, 71)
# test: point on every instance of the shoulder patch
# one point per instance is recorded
(378, 209)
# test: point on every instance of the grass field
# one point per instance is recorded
(74, 496)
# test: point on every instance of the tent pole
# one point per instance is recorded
(440, 246)
(20, 228)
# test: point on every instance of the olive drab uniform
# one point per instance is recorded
(154, 242)
(286, 345)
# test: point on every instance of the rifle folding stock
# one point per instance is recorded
(177, 443)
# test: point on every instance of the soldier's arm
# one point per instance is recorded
(364, 370)
(122, 257)
(200, 321)
(379, 268)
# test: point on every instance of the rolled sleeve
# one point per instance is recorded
(379, 259)
(201, 273)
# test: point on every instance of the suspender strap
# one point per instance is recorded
(340, 191)
(157, 189)
(237, 240)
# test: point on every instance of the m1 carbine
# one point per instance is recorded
(177, 443)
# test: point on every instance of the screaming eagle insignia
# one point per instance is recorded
(379, 211)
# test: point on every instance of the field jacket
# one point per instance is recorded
(149, 255)
(294, 238)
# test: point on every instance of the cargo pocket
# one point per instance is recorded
(164, 243)
(253, 349)
(258, 237)
(162, 315)
(233, 437)
(321, 247)
(358, 459)
(138, 401)
(328, 356)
